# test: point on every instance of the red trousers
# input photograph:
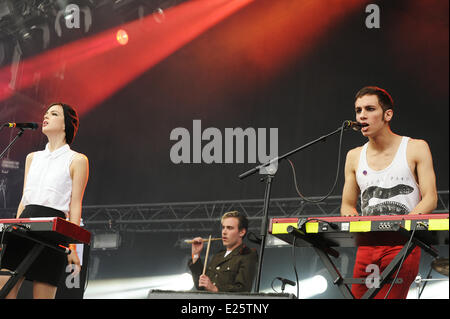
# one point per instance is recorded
(379, 257)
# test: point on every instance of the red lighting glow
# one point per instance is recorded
(88, 76)
(263, 39)
(122, 37)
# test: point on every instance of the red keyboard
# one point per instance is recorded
(54, 229)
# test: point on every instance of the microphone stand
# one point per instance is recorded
(19, 134)
(269, 169)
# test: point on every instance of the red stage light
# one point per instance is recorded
(122, 37)
(271, 35)
(92, 57)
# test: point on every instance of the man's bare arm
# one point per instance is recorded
(351, 189)
(421, 154)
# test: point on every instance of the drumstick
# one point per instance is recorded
(207, 253)
(190, 241)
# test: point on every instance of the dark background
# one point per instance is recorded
(126, 138)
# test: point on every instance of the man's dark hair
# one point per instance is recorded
(242, 220)
(384, 98)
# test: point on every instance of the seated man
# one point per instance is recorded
(230, 270)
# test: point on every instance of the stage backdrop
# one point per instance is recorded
(292, 71)
(248, 74)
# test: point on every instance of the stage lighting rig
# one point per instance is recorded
(6, 49)
(6, 8)
(128, 10)
(26, 22)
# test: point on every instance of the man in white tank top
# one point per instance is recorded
(394, 175)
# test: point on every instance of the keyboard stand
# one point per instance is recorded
(324, 250)
(27, 261)
(395, 263)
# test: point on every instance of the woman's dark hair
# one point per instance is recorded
(71, 121)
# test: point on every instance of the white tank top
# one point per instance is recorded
(48, 182)
(391, 191)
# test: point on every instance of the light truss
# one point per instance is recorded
(194, 217)
(197, 216)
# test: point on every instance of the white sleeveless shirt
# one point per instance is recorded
(390, 191)
(49, 182)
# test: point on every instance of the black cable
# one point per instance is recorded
(423, 287)
(337, 172)
(429, 272)
(403, 259)
(87, 270)
(294, 264)
(271, 285)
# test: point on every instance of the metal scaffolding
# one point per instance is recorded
(194, 217)
(190, 217)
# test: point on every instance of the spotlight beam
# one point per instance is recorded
(97, 67)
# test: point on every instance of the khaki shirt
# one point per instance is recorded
(233, 273)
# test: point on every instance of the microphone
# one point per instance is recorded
(286, 281)
(354, 125)
(25, 126)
